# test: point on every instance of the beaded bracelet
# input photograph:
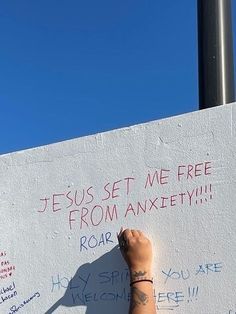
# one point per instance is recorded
(133, 282)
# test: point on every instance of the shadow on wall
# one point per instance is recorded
(99, 287)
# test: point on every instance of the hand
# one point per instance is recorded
(136, 250)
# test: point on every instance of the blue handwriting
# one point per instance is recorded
(15, 309)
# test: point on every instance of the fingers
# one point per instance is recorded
(136, 233)
(125, 235)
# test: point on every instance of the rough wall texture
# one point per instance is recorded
(61, 206)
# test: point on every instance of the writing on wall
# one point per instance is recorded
(113, 285)
(6, 268)
(21, 306)
(88, 208)
(7, 292)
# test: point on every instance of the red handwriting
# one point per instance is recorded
(186, 172)
(6, 269)
(159, 177)
(186, 198)
(88, 208)
(112, 189)
(6, 272)
(58, 201)
(79, 198)
(4, 263)
(93, 216)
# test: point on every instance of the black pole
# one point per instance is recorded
(215, 53)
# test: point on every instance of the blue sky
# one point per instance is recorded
(74, 68)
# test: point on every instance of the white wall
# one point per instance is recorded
(61, 206)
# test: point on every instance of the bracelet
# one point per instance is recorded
(148, 280)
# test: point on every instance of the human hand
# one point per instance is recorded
(136, 249)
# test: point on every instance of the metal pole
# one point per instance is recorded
(215, 53)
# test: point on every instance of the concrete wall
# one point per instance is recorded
(61, 206)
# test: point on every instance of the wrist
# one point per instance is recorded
(141, 282)
(137, 274)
